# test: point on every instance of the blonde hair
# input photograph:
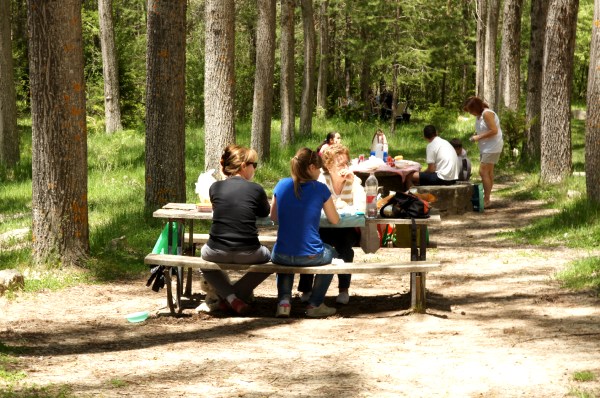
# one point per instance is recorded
(234, 156)
(299, 167)
(330, 155)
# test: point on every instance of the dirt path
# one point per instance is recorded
(498, 325)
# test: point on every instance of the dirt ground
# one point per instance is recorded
(498, 325)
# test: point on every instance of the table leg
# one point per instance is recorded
(369, 238)
(192, 248)
(417, 292)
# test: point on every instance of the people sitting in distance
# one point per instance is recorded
(442, 162)
(465, 164)
(332, 138)
(378, 138)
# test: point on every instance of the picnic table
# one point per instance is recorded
(390, 178)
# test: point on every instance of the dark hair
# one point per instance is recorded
(456, 143)
(328, 140)
(474, 104)
(234, 156)
(375, 135)
(299, 167)
(429, 132)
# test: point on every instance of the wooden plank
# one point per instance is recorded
(173, 260)
(203, 238)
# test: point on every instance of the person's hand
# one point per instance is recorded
(474, 138)
(346, 174)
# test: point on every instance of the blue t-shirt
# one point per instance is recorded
(298, 233)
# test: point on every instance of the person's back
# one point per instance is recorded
(440, 152)
(463, 160)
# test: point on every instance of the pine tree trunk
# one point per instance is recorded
(9, 135)
(263, 81)
(509, 75)
(308, 76)
(219, 80)
(482, 10)
(491, 33)
(59, 137)
(592, 137)
(557, 82)
(110, 72)
(323, 61)
(165, 103)
(539, 12)
(287, 72)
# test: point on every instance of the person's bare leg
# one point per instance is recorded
(486, 171)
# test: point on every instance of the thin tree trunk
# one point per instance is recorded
(482, 11)
(9, 135)
(308, 76)
(59, 137)
(263, 81)
(287, 72)
(110, 72)
(509, 75)
(323, 61)
(491, 33)
(539, 12)
(165, 103)
(557, 81)
(219, 80)
(592, 137)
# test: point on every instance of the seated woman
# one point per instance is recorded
(379, 139)
(332, 138)
(347, 193)
(301, 198)
(236, 203)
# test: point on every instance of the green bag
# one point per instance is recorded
(162, 243)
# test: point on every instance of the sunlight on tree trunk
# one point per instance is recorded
(9, 135)
(308, 76)
(509, 73)
(491, 34)
(323, 60)
(287, 72)
(592, 137)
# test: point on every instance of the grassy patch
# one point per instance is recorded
(582, 274)
(584, 375)
(52, 391)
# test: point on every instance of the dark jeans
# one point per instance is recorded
(342, 240)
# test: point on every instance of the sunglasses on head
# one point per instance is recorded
(255, 164)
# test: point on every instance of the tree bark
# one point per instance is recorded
(491, 33)
(533, 110)
(219, 81)
(59, 137)
(263, 81)
(308, 76)
(592, 136)
(165, 103)
(9, 135)
(323, 61)
(509, 75)
(557, 82)
(110, 70)
(287, 72)
(482, 10)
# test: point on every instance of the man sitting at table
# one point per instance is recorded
(442, 162)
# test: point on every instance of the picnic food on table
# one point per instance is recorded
(399, 157)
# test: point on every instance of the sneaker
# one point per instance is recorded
(239, 306)
(320, 311)
(283, 311)
(343, 298)
(305, 297)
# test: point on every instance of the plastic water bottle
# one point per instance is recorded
(371, 186)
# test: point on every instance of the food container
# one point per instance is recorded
(137, 316)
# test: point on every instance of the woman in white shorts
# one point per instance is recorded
(488, 135)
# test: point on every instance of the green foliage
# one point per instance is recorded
(514, 125)
(51, 391)
(585, 375)
(582, 274)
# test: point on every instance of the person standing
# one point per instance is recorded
(296, 206)
(488, 136)
(236, 203)
(442, 162)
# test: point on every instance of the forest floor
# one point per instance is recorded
(497, 325)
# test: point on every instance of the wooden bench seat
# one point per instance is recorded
(416, 269)
(203, 238)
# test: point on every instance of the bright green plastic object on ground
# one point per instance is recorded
(162, 243)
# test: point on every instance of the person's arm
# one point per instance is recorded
(330, 211)
(274, 209)
(490, 122)
(430, 168)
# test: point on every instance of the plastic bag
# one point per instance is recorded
(205, 180)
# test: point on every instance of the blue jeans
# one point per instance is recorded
(285, 282)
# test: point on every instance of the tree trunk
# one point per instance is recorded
(219, 81)
(262, 109)
(323, 61)
(165, 103)
(539, 12)
(287, 72)
(59, 137)
(491, 33)
(557, 82)
(308, 76)
(482, 11)
(9, 135)
(592, 136)
(110, 70)
(509, 75)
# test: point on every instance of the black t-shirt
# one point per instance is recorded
(236, 203)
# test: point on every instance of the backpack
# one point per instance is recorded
(405, 205)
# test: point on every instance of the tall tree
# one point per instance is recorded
(323, 59)
(112, 109)
(481, 13)
(262, 109)
(219, 80)
(557, 81)
(308, 76)
(491, 33)
(592, 137)
(9, 135)
(287, 72)
(165, 103)
(509, 74)
(533, 107)
(59, 136)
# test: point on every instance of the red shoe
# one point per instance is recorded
(239, 306)
(224, 306)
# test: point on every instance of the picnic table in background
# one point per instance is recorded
(390, 178)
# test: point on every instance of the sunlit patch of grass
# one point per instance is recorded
(582, 274)
(51, 391)
(584, 375)
(578, 393)
(117, 383)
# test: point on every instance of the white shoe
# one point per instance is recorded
(305, 297)
(320, 311)
(283, 311)
(343, 298)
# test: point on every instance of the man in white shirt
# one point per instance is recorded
(442, 162)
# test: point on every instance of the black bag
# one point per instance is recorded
(405, 205)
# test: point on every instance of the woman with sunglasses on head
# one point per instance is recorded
(236, 202)
(296, 206)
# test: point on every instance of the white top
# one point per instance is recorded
(442, 154)
(465, 166)
(492, 144)
(353, 193)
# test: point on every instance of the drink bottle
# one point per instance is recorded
(371, 190)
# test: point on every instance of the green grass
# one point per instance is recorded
(583, 377)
